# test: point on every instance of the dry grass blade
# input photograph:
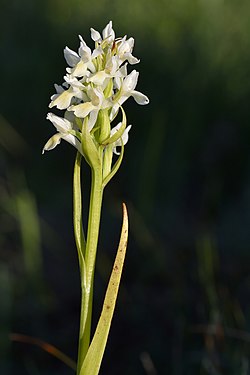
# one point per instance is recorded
(45, 346)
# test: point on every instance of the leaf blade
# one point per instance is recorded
(77, 211)
(93, 359)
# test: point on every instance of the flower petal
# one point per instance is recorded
(80, 69)
(92, 119)
(140, 98)
(97, 52)
(63, 100)
(62, 125)
(115, 129)
(56, 140)
(124, 137)
(131, 43)
(59, 89)
(108, 32)
(82, 110)
(131, 59)
(52, 142)
(85, 52)
(71, 57)
(98, 78)
(73, 141)
(95, 35)
(123, 70)
(125, 134)
(96, 96)
(73, 81)
(130, 81)
(82, 44)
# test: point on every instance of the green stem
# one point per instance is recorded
(90, 257)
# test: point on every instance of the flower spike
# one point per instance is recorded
(96, 81)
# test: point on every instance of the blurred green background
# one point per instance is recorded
(183, 306)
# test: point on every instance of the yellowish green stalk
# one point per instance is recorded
(90, 257)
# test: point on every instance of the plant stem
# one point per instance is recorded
(90, 257)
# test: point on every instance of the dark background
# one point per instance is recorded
(183, 306)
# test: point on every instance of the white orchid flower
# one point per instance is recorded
(108, 34)
(114, 70)
(92, 107)
(126, 88)
(124, 138)
(65, 129)
(124, 50)
(63, 98)
(83, 61)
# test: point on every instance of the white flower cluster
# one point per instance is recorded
(96, 83)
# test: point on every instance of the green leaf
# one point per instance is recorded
(93, 359)
(115, 167)
(77, 212)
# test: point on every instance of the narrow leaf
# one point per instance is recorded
(93, 359)
(115, 167)
(77, 211)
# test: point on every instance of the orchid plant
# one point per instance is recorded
(95, 87)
